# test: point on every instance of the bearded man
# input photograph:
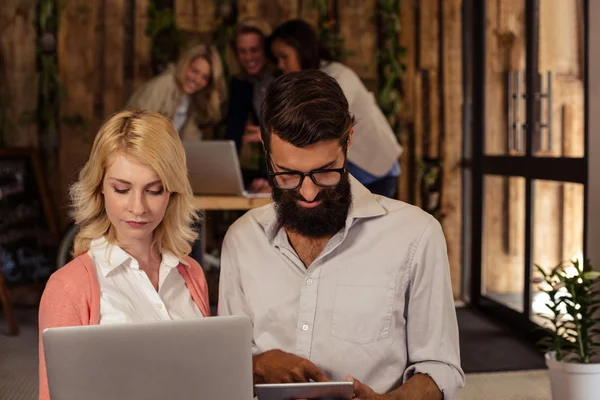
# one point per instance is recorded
(340, 284)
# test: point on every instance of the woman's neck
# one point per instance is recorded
(143, 251)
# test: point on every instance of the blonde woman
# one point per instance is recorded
(133, 204)
(191, 94)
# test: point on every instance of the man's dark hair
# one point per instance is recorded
(303, 38)
(305, 107)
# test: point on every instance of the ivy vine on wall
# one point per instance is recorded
(389, 59)
(165, 37)
(50, 89)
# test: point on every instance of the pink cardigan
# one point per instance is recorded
(72, 297)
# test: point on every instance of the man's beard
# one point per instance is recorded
(324, 220)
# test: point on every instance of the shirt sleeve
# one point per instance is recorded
(432, 327)
(231, 293)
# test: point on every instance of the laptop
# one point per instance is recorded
(214, 169)
(205, 358)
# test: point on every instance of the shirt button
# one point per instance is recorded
(305, 327)
(309, 281)
(159, 306)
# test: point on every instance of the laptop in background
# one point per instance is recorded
(214, 169)
(204, 358)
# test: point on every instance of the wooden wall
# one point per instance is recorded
(18, 91)
(104, 55)
(432, 114)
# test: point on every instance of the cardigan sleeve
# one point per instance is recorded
(60, 305)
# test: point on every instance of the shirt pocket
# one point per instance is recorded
(362, 314)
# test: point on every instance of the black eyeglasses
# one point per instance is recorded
(291, 180)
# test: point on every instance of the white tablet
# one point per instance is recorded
(306, 390)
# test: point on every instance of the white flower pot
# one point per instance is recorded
(573, 381)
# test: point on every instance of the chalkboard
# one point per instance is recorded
(28, 233)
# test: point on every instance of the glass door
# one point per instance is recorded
(528, 149)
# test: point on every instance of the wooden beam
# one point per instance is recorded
(195, 15)
(407, 39)
(429, 34)
(19, 92)
(274, 12)
(114, 52)
(142, 63)
(78, 73)
(451, 203)
(358, 28)
(433, 132)
(417, 137)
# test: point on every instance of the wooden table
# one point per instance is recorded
(229, 202)
(212, 203)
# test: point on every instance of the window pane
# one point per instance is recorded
(557, 229)
(503, 257)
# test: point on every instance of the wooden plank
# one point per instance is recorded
(429, 34)
(78, 73)
(288, 9)
(357, 25)
(309, 12)
(195, 15)
(573, 194)
(434, 115)
(407, 40)
(18, 72)
(274, 12)
(418, 137)
(114, 52)
(559, 49)
(451, 202)
(142, 62)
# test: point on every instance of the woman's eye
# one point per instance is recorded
(120, 191)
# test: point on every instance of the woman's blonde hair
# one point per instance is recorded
(151, 139)
(209, 101)
(245, 26)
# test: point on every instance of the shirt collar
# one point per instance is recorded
(110, 256)
(364, 205)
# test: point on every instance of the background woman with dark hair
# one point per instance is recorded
(373, 159)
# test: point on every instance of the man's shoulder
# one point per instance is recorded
(407, 216)
(252, 222)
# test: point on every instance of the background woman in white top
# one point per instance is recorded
(190, 93)
(373, 157)
(134, 206)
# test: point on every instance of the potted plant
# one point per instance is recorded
(571, 321)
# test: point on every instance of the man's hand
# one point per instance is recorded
(276, 366)
(419, 386)
(363, 392)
